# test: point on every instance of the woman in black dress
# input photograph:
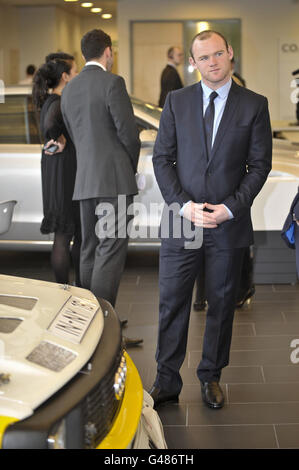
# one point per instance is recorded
(61, 214)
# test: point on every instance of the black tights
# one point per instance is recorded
(62, 256)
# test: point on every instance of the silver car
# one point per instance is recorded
(20, 177)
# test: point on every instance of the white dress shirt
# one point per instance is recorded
(93, 62)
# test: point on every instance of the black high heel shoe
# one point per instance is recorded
(246, 297)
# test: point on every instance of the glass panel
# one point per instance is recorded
(231, 30)
(18, 123)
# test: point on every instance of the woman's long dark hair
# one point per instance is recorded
(49, 75)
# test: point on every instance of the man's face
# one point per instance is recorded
(177, 56)
(212, 60)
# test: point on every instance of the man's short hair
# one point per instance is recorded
(30, 69)
(94, 43)
(206, 35)
(170, 52)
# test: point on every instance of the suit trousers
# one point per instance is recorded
(178, 270)
(104, 223)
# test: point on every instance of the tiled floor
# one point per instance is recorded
(261, 383)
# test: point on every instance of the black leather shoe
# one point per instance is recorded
(199, 305)
(161, 398)
(245, 297)
(212, 394)
(130, 342)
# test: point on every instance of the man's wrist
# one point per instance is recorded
(183, 208)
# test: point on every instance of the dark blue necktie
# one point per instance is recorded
(209, 122)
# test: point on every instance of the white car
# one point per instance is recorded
(20, 160)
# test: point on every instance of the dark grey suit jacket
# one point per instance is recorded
(170, 80)
(99, 116)
(239, 165)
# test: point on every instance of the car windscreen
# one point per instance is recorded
(147, 108)
(18, 121)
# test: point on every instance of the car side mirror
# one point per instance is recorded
(148, 137)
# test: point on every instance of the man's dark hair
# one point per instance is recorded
(206, 35)
(170, 52)
(94, 43)
(30, 69)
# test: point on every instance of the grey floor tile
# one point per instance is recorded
(261, 342)
(291, 316)
(280, 374)
(220, 437)
(277, 329)
(285, 287)
(173, 414)
(250, 357)
(239, 414)
(287, 436)
(263, 393)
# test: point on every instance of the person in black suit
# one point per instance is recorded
(211, 158)
(170, 78)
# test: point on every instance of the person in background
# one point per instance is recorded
(30, 71)
(236, 76)
(58, 171)
(170, 78)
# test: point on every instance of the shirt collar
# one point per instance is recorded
(223, 91)
(93, 62)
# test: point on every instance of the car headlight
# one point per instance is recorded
(57, 438)
(120, 379)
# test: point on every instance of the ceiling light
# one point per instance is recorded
(86, 4)
(202, 26)
(106, 16)
(96, 10)
(70, 0)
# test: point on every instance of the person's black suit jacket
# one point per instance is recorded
(170, 80)
(239, 165)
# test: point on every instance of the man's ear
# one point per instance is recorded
(192, 62)
(230, 52)
(65, 77)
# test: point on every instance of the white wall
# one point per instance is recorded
(264, 24)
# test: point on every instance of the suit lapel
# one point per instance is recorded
(198, 103)
(228, 113)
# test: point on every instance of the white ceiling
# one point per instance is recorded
(108, 6)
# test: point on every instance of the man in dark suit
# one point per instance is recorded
(170, 78)
(98, 114)
(211, 158)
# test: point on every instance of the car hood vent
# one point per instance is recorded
(8, 325)
(25, 303)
